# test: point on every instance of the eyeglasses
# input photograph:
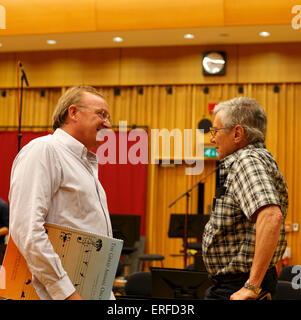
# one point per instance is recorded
(214, 131)
(104, 116)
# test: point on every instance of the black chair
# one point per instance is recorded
(285, 291)
(139, 285)
(151, 257)
(286, 274)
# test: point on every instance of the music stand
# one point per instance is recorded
(187, 195)
(195, 225)
(127, 228)
(194, 229)
(179, 283)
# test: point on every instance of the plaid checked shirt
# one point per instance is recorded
(249, 179)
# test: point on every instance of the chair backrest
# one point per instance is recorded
(285, 291)
(286, 274)
(134, 257)
(139, 285)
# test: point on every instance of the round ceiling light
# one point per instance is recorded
(189, 36)
(117, 39)
(264, 34)
(51, 42)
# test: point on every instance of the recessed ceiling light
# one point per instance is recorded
(189, 36)
(264, 34)
(117, 39)
(51, 42)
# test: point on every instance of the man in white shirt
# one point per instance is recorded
(55, 179)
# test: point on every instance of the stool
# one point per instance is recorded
(150, 258)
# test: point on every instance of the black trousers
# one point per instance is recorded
(223, 291)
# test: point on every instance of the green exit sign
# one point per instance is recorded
(210, 153)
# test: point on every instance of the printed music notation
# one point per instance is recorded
(90, 261)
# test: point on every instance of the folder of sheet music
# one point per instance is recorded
(90, 261)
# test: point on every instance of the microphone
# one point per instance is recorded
(23, 73)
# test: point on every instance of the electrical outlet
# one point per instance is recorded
(295, 226)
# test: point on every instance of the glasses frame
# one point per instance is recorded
(214, 131)
(105, 116)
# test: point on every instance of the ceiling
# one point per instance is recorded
(143, 38)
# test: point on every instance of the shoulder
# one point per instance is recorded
(37, 150)
(40, 144)
(253, 156)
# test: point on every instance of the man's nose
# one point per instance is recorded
(107, 124)
(212, 140)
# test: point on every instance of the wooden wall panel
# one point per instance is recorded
(246, 64)
(67, 68)
(97, 67)
(264, 63)
(173, 65)
(8, 70)
(44, 69)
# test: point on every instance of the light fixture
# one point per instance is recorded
(214, 63)
(1, 44)
(51, 42)
(189, 36)
(264, 34)
(117, 39)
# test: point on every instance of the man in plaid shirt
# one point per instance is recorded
(245, 236)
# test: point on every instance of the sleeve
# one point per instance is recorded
(35, 177)
(253, 186)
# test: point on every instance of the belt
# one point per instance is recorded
(235, 277)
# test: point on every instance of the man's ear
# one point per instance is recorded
(239, 133)
(72, 112)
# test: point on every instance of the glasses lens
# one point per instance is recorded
(213, 132)
(105, 116)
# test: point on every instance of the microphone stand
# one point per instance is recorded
(23, 78)
(187, 195)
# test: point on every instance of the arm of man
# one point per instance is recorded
(35, 178)
(268, 224)
(3, 231)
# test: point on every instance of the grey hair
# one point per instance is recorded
(246, 112)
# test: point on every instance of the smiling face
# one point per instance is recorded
(90, 118)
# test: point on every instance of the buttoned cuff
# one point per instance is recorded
(61, 289)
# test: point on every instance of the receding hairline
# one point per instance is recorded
(72, 96)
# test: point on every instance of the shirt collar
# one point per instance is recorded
(226, 162)
(74, 145)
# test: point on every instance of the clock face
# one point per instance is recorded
(213, 63)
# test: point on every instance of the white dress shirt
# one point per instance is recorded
(54, 179)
